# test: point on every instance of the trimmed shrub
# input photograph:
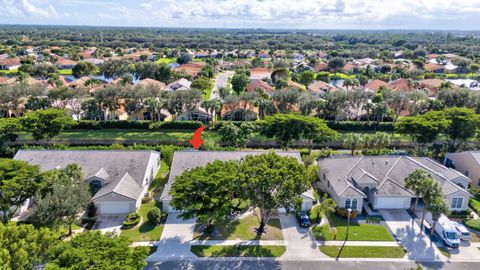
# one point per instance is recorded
(255, 125)
(343, 212)
(475, 204)
(361, 126)
(187, 125)
(117, 124)
(131, 220)
(154, 215)
(473, 224)
(460, 214)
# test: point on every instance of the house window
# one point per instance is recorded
(457, 203)
(95, 186)
(348, 203)
(354, 204)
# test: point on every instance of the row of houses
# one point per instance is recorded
(120, 179)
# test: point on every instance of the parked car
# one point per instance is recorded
(303, 219)
(463, 232)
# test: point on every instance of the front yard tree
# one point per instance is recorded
(67, 195)
(414, 181)
(270, 182)
(288, 128)
(94, 250)
(46, 124)
(432, 191)
(22, 247)
(239, 82)
(206, 193)
(437, 207)
(18, 182)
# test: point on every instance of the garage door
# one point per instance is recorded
(390, 203)
(114, 208)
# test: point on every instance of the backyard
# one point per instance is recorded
(357, 231)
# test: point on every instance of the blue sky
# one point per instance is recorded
(314, 14)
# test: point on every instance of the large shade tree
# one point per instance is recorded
(18, 182)
(46, 124)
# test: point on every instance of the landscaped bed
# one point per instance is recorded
(243, 229)
(238, 251)
(146, 231)
(363, 252)
(357, 231)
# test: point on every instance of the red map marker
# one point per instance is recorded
(196, 140)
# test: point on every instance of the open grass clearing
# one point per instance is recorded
(357, 231)
(242, 229)
(363, 252)
(238, 251)
(145, 231)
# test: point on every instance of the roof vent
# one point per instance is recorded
(386, 162)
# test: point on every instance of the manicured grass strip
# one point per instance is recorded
(65, 72)
(238, 251)
(357, 231)
(363, 252)
(146, 231)
(475, 204)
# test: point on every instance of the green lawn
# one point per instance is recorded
(238, 251)
(357, 231)
(8, 72)
(208, 92)
(243, 229)
(363, 252)
(146, 231)
(166, 60)
(173, 136)
(475, 204)
(160, 179)
(65, 72)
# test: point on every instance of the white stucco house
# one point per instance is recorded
(119, 179)
(184, 160)
(467, 162)
(379, 181)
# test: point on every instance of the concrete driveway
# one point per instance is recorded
(299, 242)
(109, 224)
(174, 243)
(220, 81)
(418, 245)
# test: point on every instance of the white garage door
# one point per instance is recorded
(390, 203)
(114, 208)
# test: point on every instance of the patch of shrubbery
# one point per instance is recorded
(343, 212)
(184, 125)
(118, 124)
(361, 126)
(131, 220)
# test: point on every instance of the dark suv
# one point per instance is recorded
(303, 219)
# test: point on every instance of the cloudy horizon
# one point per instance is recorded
(271, 14)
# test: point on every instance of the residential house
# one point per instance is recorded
(376, 85)
(10, 64)
(435, 68)
(260, 85)
(291, 84)
(118, 179)
(239, 111)
(64, 63)
(95, 61)
(195, 115)
(7, 80)
(185, 160)
(379, 181)
(403, 85)
(432, 85)
(191, 69)
(320, 88)
(180, 84)
(467, 163)
(147, 82)
(321, 66)
(260, 73)
(466, 83)
(350, 68)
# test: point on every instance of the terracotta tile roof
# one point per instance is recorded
(10, 62)
(348, 67)
(259, 84)
(376, 84)
(319, 86)
(431, 83)
(151, 82)
(432, 67)
(320, 67)
(65, 62)
(191, 69)
(6, 80)
(293, 84)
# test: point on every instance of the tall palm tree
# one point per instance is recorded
(381, 140)
(326, 207)
(414, 182)
(437, 207)
(431, 192)
(353, 141)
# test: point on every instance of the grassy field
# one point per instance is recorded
(166, 60)
(357, 231)
(238, 251)
(65, 72)
(363, 252)
(243, 229)
(146, 231)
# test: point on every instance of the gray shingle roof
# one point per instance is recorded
(122, 171)
(389, 172)
(184, 160)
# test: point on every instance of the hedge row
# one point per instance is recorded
(98, 125)
(361, 126)
(192, 125)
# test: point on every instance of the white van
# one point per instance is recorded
(446, 230)
(462, 231)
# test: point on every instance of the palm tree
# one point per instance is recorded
(437, 207)
(353, 141)
(414, 182)
(431, 192)
(381, 140)
(347, 83)
(326, 207)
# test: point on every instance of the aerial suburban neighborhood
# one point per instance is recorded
(142, 137)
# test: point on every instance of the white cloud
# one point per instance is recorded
(146, 5)
(17, 8)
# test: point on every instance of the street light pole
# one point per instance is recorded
(348, 222)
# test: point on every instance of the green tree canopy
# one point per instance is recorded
(463, 125)
(207, 192)
(237, 136)
(46, 124)
(423, 128)
(22, 247)
(288, 128)
(94, 250)
(84, 69)
(239, 82)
